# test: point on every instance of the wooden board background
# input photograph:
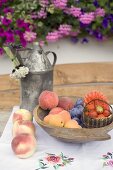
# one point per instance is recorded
(69, 80)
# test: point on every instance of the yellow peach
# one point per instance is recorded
(72, 124)
(47, 118)
(56, 120)
(66, 115)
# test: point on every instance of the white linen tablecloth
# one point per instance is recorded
(91, 155)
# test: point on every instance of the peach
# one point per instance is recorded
(48, 100)
(66, 115)
(24, 145)
(72, 124)
(22, 114)
(56, 120)
(47, 118)
(56, 110)
(66, 103)
(23, 126)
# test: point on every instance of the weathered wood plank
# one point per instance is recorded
(8, 99)
(4, 116)
(83, 73)
(69, 80)
(7, 83)
(70, 74)
(81, 90)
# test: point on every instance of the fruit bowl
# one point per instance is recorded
(71, 134)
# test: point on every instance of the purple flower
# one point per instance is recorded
(84, 41)
(1, 51)
(8, 10)
(1, 32)
(98, 35)
(74, 39)
(105, 23)
(20, 23)
(6, 21)
(9, 36)
(96, 3)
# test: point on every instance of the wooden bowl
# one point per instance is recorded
(71, 134)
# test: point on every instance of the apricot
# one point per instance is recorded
(22, 114)
(66, 115)
(56, 120)
(24, 145)
(66, 103)
(56, 110)
(48, 100)
(72, 124)
(23, 126)
(46, 118)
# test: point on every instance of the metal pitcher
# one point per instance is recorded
(40, 76)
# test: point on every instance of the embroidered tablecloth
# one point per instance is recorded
(53, 154)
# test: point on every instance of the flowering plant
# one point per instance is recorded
(24, 21)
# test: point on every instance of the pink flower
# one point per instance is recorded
(110, 163)
(100, 12)
(41, 43)
(53, 159)
(42, 13)
(61, 4)
(43, 3)
(29, 36)
(73, 33)
(76, 12)
(87, 18)
(52, 36)
(65, 29)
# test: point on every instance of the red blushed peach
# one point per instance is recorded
(66, 103)
(48, 100)
(24, 145)
(23, 126)
(56, 110)
(22, 114)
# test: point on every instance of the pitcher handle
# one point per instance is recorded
(54, 55)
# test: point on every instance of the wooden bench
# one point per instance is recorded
(69, 80)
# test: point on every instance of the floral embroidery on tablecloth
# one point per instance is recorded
(53, 160)
(108, 159)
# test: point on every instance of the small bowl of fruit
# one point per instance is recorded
(70, 118)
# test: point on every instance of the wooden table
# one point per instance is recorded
(69, 80)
